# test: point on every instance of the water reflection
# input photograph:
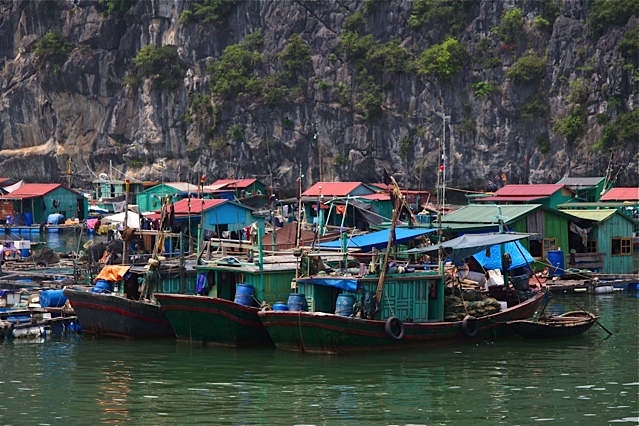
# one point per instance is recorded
(589, 379)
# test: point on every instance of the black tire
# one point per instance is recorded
(393, 323)
(470, 326)
(41, 264)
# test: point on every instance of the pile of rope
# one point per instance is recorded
(456, 307)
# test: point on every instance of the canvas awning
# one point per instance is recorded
(379, 239)
(467, 245)
(132, 219)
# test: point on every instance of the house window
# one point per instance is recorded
(621, 246)
(549, 244)
(592, 246)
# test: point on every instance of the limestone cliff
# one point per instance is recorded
(332, 90)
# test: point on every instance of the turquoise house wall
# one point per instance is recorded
(615, 227)
(232, 215)
(145, 199)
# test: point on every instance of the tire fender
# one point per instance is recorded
(393, 323)
(470, 326)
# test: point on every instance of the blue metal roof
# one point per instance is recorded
(379, 239)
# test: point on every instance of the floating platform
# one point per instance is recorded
(594, 285)
(37, 229)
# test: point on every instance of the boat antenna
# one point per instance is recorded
(441, 177)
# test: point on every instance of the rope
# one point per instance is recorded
(299, 325)
(390, 309)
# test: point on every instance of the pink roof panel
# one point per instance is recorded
(336, 189)
(539, 190)
(234, 183)
(495, 198)
(621, 194)
(197, 205)
(30, 190)
(378, 196)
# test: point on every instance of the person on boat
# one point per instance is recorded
(151, 278)
(8, 249)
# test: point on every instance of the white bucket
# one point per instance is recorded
(504, 306)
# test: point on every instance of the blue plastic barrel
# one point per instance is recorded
(52, 299)
(25, 252)
(280, 306)
(556, 259)
(344, 304)
(102, 285)
(297, 302)
(28, 219)
(244, 294)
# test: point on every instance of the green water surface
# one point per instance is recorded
(590, 379)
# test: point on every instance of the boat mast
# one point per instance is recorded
(396, 209)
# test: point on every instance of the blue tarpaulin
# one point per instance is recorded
(344, 284)
(519, 258)
(379, 239)
(467, 245)
(55, 218)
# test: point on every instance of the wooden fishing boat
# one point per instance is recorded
(410, 316)
(565, 325)
(382, 307)
(122, 312)
(117, 316)
(224, 313)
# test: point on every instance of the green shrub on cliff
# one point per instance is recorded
(527, 69)
(536, 106)
(623, 130)
(208, 11)
(606, 13)
(161, 64)
(296, 56)
(510, 27)
(448, 13)
(234, 72)
(53, 48)
(115, 7)
(629, 44)
(443, 59)
(572, 126)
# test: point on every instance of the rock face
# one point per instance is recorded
(325, 89)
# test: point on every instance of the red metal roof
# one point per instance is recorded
(334, 189)
(197, 205)
(379, 196)
(537, 190)
(31, 190)
(621, 194)
(234, 183)
(494, 198)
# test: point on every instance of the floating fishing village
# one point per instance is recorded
(319, 212)
(342, 267)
